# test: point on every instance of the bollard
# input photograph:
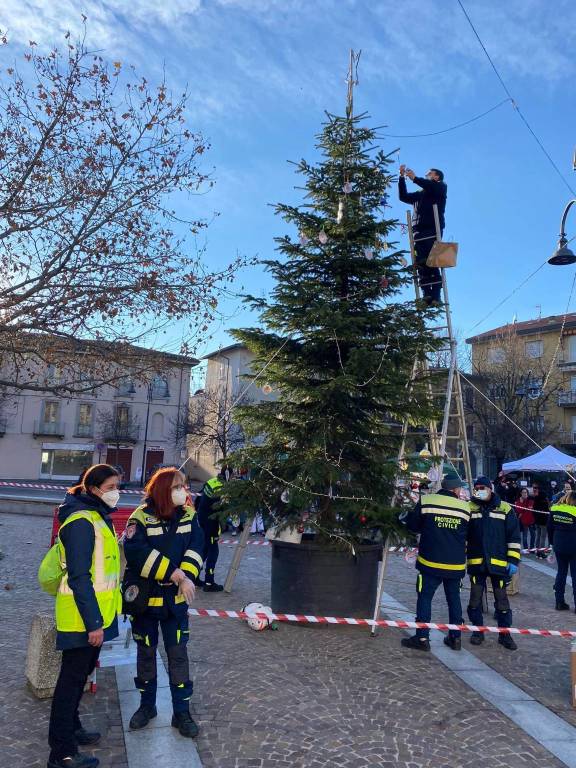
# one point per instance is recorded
(42, 659)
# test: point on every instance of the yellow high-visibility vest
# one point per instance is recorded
(104, 572)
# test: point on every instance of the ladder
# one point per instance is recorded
(450, 448)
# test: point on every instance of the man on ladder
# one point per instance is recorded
(433, 192)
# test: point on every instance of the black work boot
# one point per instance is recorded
(562, 606)
(142, 716)
(416, 643)
(453, 642)
(507, 641)
(75, 761)
(84, 738)
(186, 726)
(213, 587)
(477, 638)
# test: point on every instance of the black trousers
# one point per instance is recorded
(77, 665)
(429, 277)
(502, 604)
(564, 561)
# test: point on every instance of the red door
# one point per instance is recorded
(122, 458)
(153, 458)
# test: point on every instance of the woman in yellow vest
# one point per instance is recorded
(87, 605)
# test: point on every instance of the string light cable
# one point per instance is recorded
(514, 102)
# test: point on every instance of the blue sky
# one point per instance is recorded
(262, 72)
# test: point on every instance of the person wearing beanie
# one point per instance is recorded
(493, 551)
(441, 519)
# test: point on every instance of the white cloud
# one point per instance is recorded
(236, 53)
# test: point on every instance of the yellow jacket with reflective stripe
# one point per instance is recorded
(493, 537)
(104, 573)
(441, 519)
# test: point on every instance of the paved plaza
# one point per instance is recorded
(308, 697)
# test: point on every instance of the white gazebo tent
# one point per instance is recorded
(549, 459)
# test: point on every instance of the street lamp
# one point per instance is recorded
(563, 255)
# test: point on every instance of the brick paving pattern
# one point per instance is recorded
(24, 729)
(306, 697)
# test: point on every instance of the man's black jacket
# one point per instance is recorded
(433, 192)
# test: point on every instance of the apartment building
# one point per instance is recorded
(538, 358)
(225, 383)
(43, 436)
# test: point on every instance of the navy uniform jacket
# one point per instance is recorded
(154, 548)
(562, 529)
(493, 537)
(441, 519)
(433, 192)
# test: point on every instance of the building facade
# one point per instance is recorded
(225, 384)
(528, 369)
(130, 425)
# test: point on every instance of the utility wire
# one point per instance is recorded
(447, 130)
(514, 102)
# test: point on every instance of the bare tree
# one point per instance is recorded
(117, 426)
(521, 388)
(93, 255)
(210, 421)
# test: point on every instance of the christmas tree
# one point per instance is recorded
(336, 347)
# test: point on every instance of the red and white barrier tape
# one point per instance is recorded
(264, 543)
(221, 614)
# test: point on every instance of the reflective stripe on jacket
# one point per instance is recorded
(562, 528)
(442, 521)
(154, 548)
(104, 574)
(493, 537)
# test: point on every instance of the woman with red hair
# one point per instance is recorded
(163, 546)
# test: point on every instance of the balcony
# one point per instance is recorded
(48, 429)
(125, 390)
(84, 430)
(567, 399)
(567, 365)
(121, 434)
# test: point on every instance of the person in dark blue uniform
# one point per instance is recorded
(210, 524)
(164, 544)
(494, 552)
(441, 519)
(433, 191)
(562, 535)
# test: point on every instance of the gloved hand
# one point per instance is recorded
(188, 590)
(512, 569)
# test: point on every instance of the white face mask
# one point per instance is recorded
(178, 497)
(110, 498)
(483, 494)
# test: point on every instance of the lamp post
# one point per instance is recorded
(563, 255)
(143, 468)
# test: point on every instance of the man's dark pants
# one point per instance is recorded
(426, 586)
(429, 278)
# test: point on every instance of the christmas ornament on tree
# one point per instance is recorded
(363, 519)
(303, 239)
(347, 188)
(384, 283)
(267, 389)
(340, 214)
(323, 237)
(285, 496)
(369, 253)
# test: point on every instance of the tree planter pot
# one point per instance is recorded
(313, 579)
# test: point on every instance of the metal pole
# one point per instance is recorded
(380, 588)
(236, 560)
(143, 468)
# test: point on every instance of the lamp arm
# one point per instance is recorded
(563, 240)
